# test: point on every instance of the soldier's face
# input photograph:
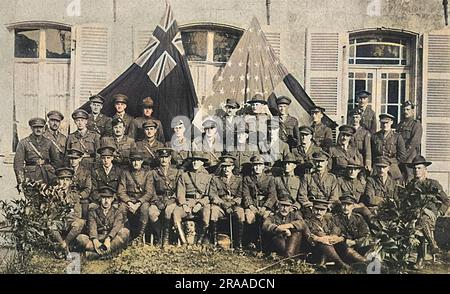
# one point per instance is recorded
(230, 110)
(353, 173)
(148, 112)
(165, 161)
(179, 130)
(107, 202)
(356, 119)
(38, 131)
(285, 209)
(321, 165)
(74, 162)
(257, 108)
(107, 160)
(347, 208)
(344, 138)
(150, 132)
(81, 123)
(210, 132)
(119, 130)
(64, 183)
(96, 107)
(382, 170)
(408, 112)
(227, 170)
(305, 139)
(319, 212)
(283, 108)
(54, 124)
(386, 125)
(420, 171)
(137, 164)
(120, 107)
(317, 116)
(196, 164)
(363, 101)
(258, 168)
(289, 167)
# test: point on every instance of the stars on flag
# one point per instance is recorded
(242, 77)
(220, 78)
(240, 64)
(231, 78)
(229, 64)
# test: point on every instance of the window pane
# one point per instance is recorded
(58, 43)
(393, 110)
(195, 45)
(27, 44)
(350, 93)
(360, 85)
(383, 91)
(393, 92)
(378, 50)
(403, 91)
(378, 61)
(224, 44)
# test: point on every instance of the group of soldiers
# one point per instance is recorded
(271, 181)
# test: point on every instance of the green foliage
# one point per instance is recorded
(399, 230)
(31, 217)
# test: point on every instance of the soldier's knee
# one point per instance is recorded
(83, 240)
(249, 216)
(169, 210)
(78, 224)
(215, 212)
(177, 214)
(239, 214)
(124, 234)
(153, 213)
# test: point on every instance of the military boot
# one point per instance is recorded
(429, 236)
(140, 239)
(166, 232)
(213, 233)
(353, 256)
(238, 236)
(201, 233)
(330, 254)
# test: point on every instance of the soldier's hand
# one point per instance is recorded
(229, 210)
(97, 245)
(196, 208)
(323, 240)
(107, 244)
(335, 239)
(350, 242)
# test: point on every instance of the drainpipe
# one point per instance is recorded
(268, 2)
(445, 3)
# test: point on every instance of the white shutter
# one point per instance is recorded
(325, 70)
(141, 37)
(436, 99)
(92, 60)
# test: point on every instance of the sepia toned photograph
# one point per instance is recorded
(250, 137)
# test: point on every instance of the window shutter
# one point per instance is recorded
(273, 36)
(92, 61)
(141, 37)
(324, 70)
(436, 98)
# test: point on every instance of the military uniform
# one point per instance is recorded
(319, 186)
(341, 156)
(361, 141)
(323, 136)
(82, 183)
(36, 157)
(368, 120)
(276, 150)
(287, 186)
(411, 131)
(181, 150)
(212, 150)
(138, 130)
(148, 149)
(303, 153)
(392, 146)
(123, 148)
(353, 227)
(88, 142)
(101, 179)
(101, 124)
(355, 186)
(128, 124)
(376, 191)
(58, 140)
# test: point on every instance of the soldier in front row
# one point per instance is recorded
(193, 194)
(36, 157)
(106, 230)
(53, 134)
(164, 180)
(65, 231)
(227, 200)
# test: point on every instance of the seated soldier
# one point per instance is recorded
(106, 231)
(122, 143)
(380, 186)
(227, 200)
(68, 229)
(305, 149)
(164, 179)
(286, 229)
(353, 227)
(150, 143)
(320, 184)
(81, 179)
(193, 192)
(343, 152)
(134, 192)
(433, 209)
(258, 192)
(107, 174)
(326, 241)
(287, 185)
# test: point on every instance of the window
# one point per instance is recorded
(378, 50)
(43, 43)
(212, 45)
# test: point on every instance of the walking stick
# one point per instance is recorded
(231, 230)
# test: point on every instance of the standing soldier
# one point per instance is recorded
(193, 194)
(138, 122)
(288, 123)
(272, 148)
(368, 119)
(98, 122)
(323, 136)
(150, 144)
(36, 157)
(120, 104)
(411, 131)
(343, 152)
(164, 179)
(433, 209)
(305, 149)
(68, 229)
(210, 143)
(107, 174)
(122, 143)
(287, 185)
(134, 192)
(390, 144)
(231, 121)
(320, 184)
(243, 150)
(286, 229)
(259, 194)
(81, 178)
(53, 134)
(106, 228)
(180, 143)
(227, 201)
(83, 139)
(380, 186)
(361, 139)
